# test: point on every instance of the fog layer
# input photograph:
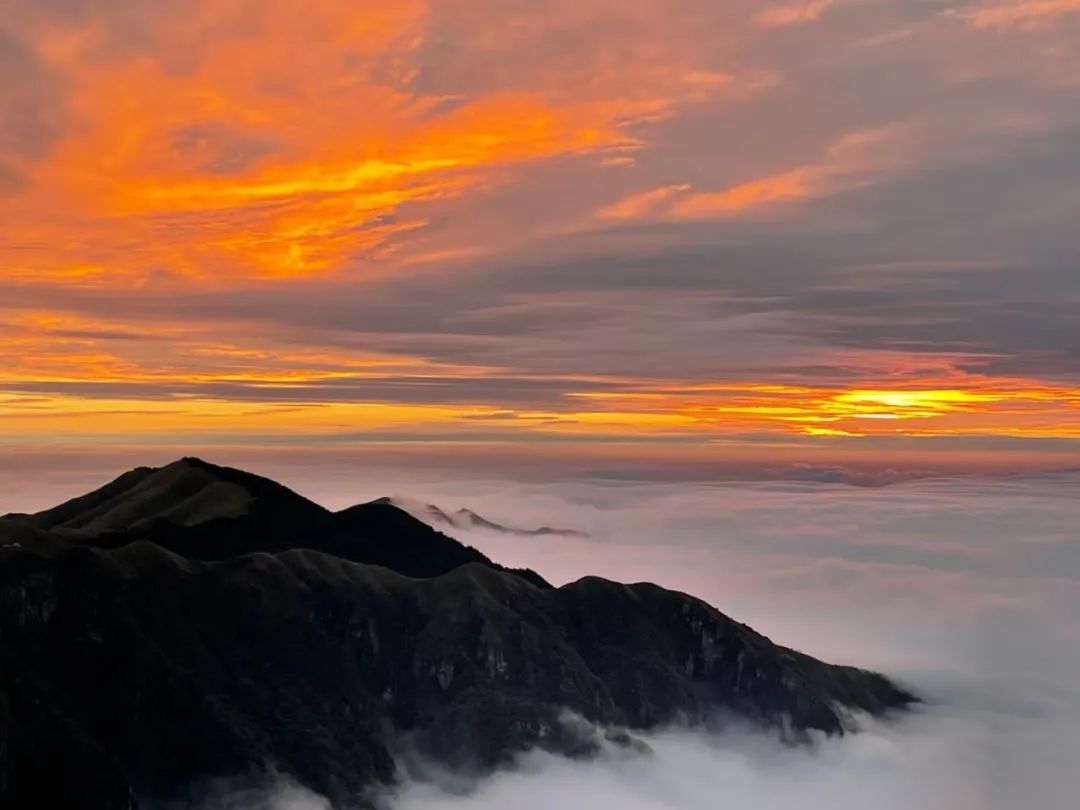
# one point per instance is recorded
(967, 591)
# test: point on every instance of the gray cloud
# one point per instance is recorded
(503, 389)
(31, 106)
(220, 149)
(11, 179)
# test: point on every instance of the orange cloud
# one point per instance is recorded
(852, 160)
(639, 205)
(281, 140)
(793, 13)
(43, 348)
(784, 187)
(85, 377)
(988, 407)
(679, 201)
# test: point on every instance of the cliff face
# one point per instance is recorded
(136, 672)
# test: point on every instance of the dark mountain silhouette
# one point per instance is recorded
(206, 512)
(194, 622)
(466, 519)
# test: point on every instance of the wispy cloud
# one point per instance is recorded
(642, 204)
(852, 160)
(803, 11)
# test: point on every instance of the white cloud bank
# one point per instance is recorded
(968, 591)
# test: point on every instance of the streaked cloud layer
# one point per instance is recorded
(596, 222)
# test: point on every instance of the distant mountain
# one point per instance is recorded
(193, 622)
(466, 519)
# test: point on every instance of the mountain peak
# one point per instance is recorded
(186, 492)
(466, 519)
(204, 511)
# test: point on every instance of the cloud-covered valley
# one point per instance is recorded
(968, 591)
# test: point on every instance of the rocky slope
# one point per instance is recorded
(145, 648)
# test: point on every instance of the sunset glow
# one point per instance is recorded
(366, 221)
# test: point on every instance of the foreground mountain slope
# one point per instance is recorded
(134, 674)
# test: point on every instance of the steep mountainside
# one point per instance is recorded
(132, 674)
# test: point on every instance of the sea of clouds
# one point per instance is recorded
(965, 590)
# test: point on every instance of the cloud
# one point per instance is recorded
(968, 590)
(466, 193)
(852, 160)
(843, 475)
(247, 794)
(883, 769)
(793, 185)
(258, 168)
(639, 205)
(1025, 13)
(31, 103)
(793, 13)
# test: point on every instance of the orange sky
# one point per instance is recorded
(593, 221)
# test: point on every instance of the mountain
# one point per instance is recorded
(467, 519)
(206, 512)
(153, 637)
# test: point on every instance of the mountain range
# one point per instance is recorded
(195, 622)
(467, 519)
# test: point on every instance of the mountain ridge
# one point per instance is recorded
(466, 519)
(209, 512)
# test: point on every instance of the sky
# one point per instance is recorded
(599, 234)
